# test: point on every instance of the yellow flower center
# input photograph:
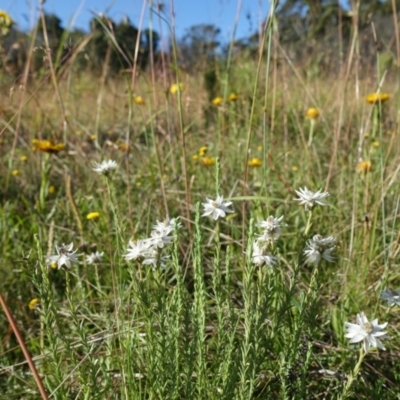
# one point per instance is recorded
(368, 327)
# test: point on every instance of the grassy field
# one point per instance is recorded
(153, 299)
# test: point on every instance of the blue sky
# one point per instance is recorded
(187, 13)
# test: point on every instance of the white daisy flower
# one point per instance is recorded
(260, 257)
(216, 208)
(105, 167)
(310, 199)
(64, 257)
(320, 248)
(272, 229)
(160, 225)
(138, 250)
(161, 237)
(155, 259)
(94, 257)
(366, 332)
(392, 297)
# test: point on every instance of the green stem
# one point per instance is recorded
(310, 136)
(375, 121)
(353, 375)
(309, 224)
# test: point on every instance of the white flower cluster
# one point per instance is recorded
(319, 248)
(261, 254)
(94, 258)
(149, 251)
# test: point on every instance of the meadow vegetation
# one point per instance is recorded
(125, 282)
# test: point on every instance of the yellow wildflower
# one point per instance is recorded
(233, 97)
(5, 23)
(47, 146)
(175, 88)
(203, 151)
(34, 303)
(207, 161)
(375, 144)
(364, 166)
(52, 189)
(217, 101)
(312, 113)
(294, 168)
(254, 162)
(15, 172)
(195, 157)
(23, 158)
(93, 215)
(93, 137)
(139, 100)
(138, 183)
(374, 98)
(259, 148)
(123, 146)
